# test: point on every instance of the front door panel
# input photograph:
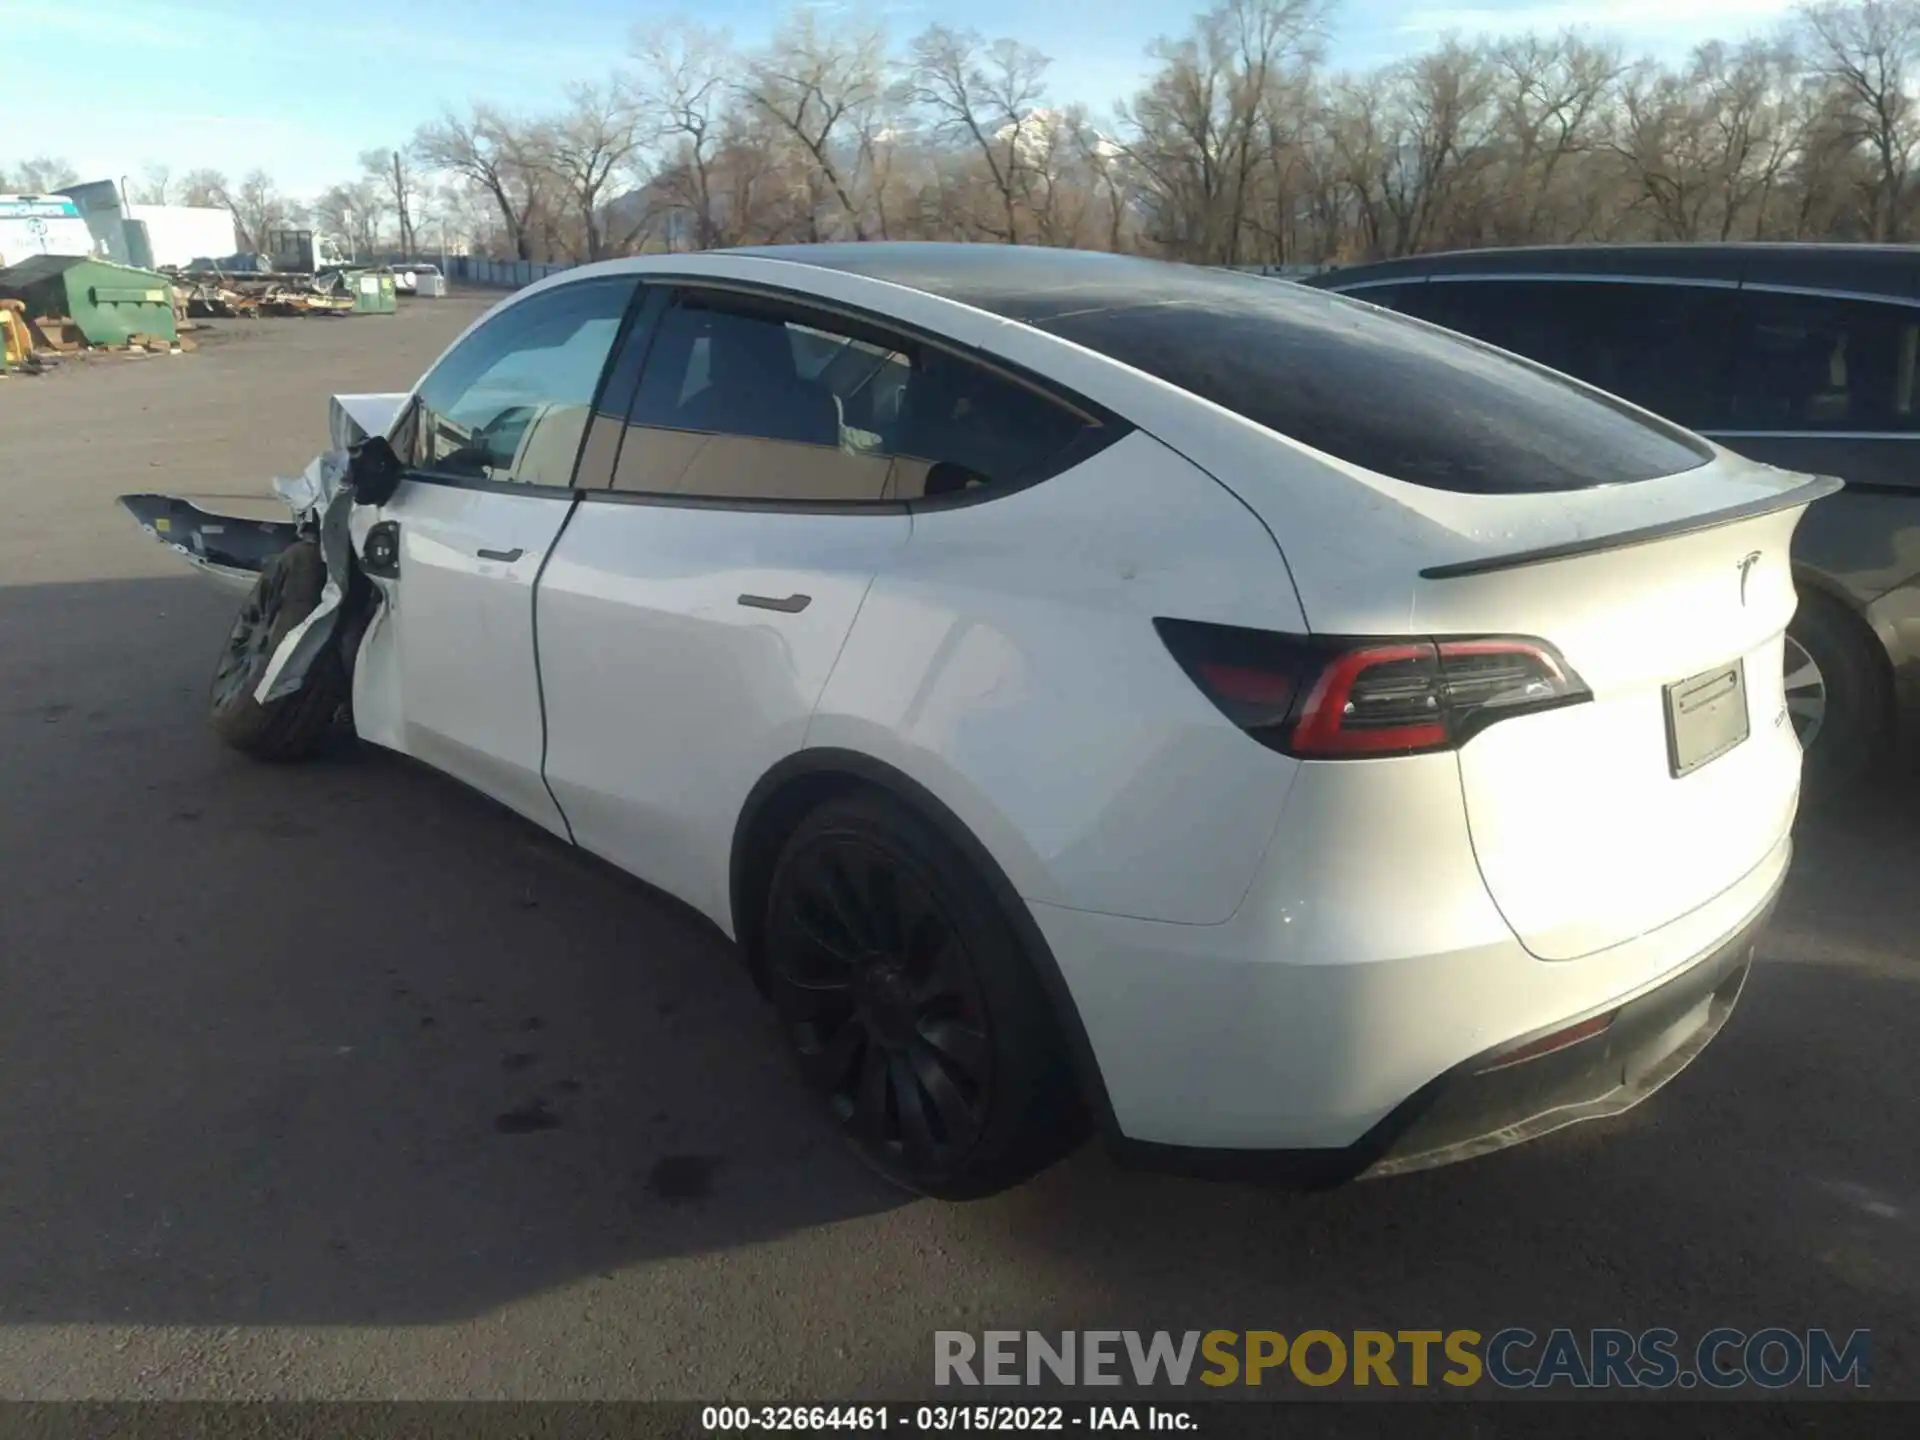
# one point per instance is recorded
(462, 620)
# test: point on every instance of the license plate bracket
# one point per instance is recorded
(1706, 717)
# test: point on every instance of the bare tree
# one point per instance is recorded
(815, 83)
(156, 186)
(258, 207)
(1106, 165)
(1708, 148)
(41, 174)
(987, 97)
(761, 180)
(1201, 130)
(456, 216)
(1868, 50)
(1442, 122)
(1663, 147)
(685, 81)
(207, 189)
(1552, 97)
(354, 211)
(392, 177)
(592, 150)
(505, 157)
(1236, 148)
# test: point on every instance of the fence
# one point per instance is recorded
(502, 274)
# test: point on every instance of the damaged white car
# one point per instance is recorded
(1286, 735)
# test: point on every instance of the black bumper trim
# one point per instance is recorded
(1480, 1105)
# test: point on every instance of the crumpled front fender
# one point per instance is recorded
(233, 549)
(321, 498)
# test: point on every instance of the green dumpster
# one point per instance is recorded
(372, 293)
(107, 303)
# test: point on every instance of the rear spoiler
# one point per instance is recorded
(1816, 488)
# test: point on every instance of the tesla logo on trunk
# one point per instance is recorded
(1747, 562)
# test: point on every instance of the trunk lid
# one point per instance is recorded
(1604, 820)
(1585, 835)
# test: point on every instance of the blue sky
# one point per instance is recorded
(226, 84)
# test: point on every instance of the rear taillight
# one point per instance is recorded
(1324, 697)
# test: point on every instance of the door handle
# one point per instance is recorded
(792, 605)
(508, 555)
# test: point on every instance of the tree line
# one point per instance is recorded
(1241, 146)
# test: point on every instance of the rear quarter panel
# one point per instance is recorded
(1010, 664)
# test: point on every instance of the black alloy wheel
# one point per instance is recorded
(908, 1005)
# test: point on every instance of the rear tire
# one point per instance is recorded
(910, 1006)
(292, 727)
(1837, 698)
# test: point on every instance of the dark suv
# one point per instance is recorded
(1802, 356)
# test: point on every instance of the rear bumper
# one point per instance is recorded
(1367, 962)
(1492, 1100)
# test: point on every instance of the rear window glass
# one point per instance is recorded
(1369, 387)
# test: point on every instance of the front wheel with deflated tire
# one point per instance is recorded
(1837, 698)
(293, 726)
(907, 999)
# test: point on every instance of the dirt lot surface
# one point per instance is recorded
(335, 1081)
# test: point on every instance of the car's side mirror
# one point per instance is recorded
(373, 471)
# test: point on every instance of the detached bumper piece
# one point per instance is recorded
(212, 541)
(1599, 1065)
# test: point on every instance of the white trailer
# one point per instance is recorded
(41, 225)
(181, 234)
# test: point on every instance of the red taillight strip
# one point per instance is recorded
(1247, 684)
(1319, 729)
(1549, 1044)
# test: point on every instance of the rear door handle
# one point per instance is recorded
(508, 555)
(792, 605)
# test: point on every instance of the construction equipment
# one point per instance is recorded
(16, 345)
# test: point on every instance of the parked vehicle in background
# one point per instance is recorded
(177, 235)
(1803, 356)
(304, 252)
(412, 277)
(1071, 691)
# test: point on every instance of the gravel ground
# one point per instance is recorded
(335, 1081)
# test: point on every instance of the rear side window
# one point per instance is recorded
(751, 400)
(1377, 391)
(1667, 348)
(1806, 362)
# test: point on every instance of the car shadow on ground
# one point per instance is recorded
(339, 1042)
(342, 1043)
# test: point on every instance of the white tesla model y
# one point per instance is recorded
(1283, 735)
